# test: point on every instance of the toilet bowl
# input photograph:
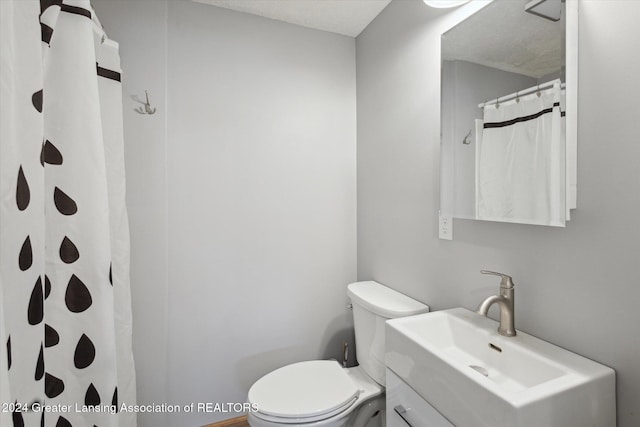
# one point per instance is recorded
(321, 393)
(318, 393)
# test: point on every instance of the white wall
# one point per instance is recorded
(262, 199)
(140, 27)
(576, 287)
(241, 254)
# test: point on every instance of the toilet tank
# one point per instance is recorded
(373, 304)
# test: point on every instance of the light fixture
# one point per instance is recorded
(441, 4)
(548, 9)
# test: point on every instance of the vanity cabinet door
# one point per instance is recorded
(406, 408)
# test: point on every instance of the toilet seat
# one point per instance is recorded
(303, 392)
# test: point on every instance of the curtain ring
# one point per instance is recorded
(538, 92)
(497, 103)
(517, 97)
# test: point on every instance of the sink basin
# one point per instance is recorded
(456, 360)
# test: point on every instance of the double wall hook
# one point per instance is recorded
(146, 108)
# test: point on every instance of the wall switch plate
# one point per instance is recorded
(445, 227)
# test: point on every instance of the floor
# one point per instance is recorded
(234, 422)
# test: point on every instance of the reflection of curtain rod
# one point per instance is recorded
(522, 93)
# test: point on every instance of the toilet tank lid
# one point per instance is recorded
(384, 301)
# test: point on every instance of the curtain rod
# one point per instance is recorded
(522, 92)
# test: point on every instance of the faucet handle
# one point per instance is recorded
(505, 282)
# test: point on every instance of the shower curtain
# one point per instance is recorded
(65, 318)
(521, 163)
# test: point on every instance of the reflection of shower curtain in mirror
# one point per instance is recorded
(520, 161)
(65, 311)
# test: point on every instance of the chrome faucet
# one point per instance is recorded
(505, 302)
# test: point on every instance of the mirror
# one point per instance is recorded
(508, 114)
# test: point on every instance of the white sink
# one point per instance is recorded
(474, 377)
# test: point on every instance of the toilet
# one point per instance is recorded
(321, 393)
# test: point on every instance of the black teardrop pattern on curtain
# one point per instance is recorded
(36, 100)
(64, 203)
(50, 154)
(35, 312)
(85, 352)
(18, 421)
(77, 296)
(91, 397)
(47, 286)
(40, 365)
(62, 422)
(51, 336)
(25, 258)
(53, 386)
(110, 274)
(114, 400)
(68, 251)
(9, 352)
(23, 194)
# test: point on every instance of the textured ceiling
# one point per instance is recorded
(504, 36)
(346, 17)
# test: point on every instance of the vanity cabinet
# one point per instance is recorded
(406, 408)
